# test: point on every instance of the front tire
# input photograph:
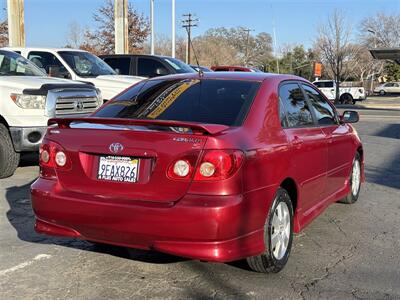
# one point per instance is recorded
(382, 93)
(278, 236)
(9, 159)
(354, 181)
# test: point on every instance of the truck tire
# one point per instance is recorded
(9, 159)
(346, 99)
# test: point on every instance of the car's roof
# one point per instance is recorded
(134, 55)
(252, 76)
(41, 49)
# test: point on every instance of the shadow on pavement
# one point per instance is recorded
(29, 159)
(388, 174)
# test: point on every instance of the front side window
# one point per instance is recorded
(13, 64)
(209, 101)
(297, 111)
(148, 67)
(48, 62)
(324, 113)
(86, 64)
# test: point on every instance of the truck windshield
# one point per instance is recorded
(13, 64)
(86, 64)
(209, 101)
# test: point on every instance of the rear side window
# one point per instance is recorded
(211, 101)
(324, 84)
(297, 111)
(120, 65)
(323, 111)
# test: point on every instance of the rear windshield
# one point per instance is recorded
(209, 101)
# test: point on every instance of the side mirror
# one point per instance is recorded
(60, 72)
(161, 72)
(350, 116)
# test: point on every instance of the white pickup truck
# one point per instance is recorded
(28, 99)
(78, 65)
(347, 94)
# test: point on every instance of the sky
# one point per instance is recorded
(47, 21)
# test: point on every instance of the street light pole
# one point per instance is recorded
(373, 71)
(152, 27)
(173, 30)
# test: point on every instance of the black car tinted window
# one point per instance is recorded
(120, 65)
(323, 111)
(206, 101)
(297, 110)
(147, 67)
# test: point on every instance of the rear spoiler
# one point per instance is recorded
(196, 127)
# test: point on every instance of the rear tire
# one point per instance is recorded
(278, 236)
(9, 159)
(346, 99)
(354, 181)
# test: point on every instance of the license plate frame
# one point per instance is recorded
(113, 169)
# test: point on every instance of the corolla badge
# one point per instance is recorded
(116, 147)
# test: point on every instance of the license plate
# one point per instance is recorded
(118, 168)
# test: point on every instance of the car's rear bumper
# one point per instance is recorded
(212, 228)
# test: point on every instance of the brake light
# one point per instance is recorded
(213, 165)
(51, 157)
(218, 164)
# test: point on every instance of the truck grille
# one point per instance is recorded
(75, 105)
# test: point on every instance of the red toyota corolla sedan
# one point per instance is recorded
(213, 166)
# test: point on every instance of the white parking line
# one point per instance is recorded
(24, 264)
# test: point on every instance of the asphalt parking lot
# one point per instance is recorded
(348, 252)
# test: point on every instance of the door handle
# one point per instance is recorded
(297, 141)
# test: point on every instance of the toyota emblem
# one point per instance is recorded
(78, 104)
(116, 147)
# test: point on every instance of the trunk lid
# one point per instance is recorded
(155, 144)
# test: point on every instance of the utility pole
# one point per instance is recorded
(173, 29)
(16, 27)
(246, 58)
(188, 23)
(121, 26)
(152, 27)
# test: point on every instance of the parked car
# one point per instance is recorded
(78, 65)
(28, 99)
(234, 69)
(348, 95)
(146, 65)
(388, 88)
(202, 68)
(217, 167)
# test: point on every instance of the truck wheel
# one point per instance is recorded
(346, 99)
(278, 236)
(9, 159)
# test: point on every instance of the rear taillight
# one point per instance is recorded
(213, 165)
(218, 164)
(51, 157)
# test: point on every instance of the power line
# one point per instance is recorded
(246, 58)
(188, 23)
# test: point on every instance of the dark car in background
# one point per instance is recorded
(146, 65)
(234, 69)
(201, 68)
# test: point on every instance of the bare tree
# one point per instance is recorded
(75, 35)
(102, 39)
(335, 47)
(4, 33)
(381, 30)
